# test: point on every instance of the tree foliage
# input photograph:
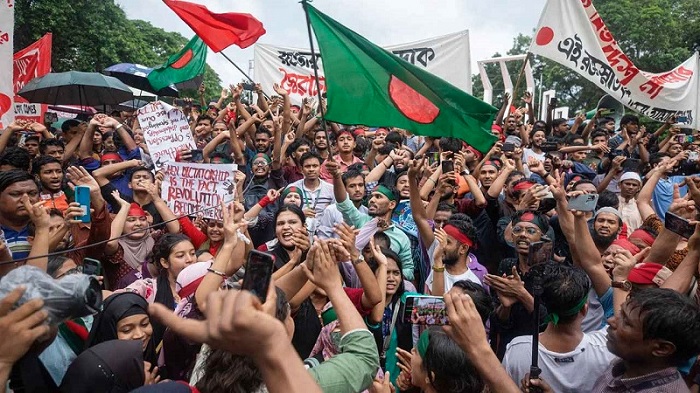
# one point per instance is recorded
(657, 35)
(91, 35)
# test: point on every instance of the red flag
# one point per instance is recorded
(29, 63)
(218, 31)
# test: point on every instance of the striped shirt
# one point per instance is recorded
(17, 242)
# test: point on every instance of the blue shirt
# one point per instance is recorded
(17, 242)
(662, 197)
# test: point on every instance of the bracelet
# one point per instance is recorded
(118, 127)
(438, 269)
(434, 182)
(218, 273)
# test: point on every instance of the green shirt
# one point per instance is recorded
(400, 243)
(353, 369)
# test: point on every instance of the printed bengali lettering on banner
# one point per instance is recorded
(293, 69)
(572, 33)
(29, 63)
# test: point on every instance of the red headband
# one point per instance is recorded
(627, 245)
(111, 156)
(136, 211)
(493, 163)
(458, 235)
(477, 153)
(642, 235)
(524, 185)
(345, 132)
(645, 274)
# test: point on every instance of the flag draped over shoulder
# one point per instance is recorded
(368, 85)
(181, 67)
(218, 31)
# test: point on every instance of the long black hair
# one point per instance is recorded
(448, 368)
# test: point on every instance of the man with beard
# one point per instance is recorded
(321, 144)
(49, 173)
(354, 183)
(630, 184)
(607, 223)
(392, 161)
(451, 257)
(381, 205)
(345, 144)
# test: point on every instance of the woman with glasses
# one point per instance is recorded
(512, 286)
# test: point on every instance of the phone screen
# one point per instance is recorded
(91, 267)
(548, 147)
(425, 310)
(508, 147)
(258, 273)
(82, 196)
(197, 155)
(678, 225)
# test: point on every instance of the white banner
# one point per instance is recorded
(7, 88)
(189, 187)
(165, 130)
(447, 57)
(572, 33)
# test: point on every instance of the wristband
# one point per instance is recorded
(265, 201)
(118, 127)
(438, 269)
(218, 273)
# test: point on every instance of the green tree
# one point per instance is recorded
(92, 35)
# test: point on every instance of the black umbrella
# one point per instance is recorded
(136, 76)
(131, 105)
(76, 88)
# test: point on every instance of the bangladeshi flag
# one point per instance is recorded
(368, 85)
(181, 67)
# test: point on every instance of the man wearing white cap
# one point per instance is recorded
(630, 184)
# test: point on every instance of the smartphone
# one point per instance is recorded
(447, 166)
(540, 252)
(549, 146)
(82, 196)
(584, 203)
(433, 157)
(693, 156)
(631, 165)
(679, 225)
(425, 310)
(508, 147)
(680, 138)
(248, 86)
(258, 273)
(92, 267)
(197, 155)
(682, 119)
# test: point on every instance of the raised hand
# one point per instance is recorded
(25, 325)
(79, 176)
(37, 213)
(415, 168)
(279, 90)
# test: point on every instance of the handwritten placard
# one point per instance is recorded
(189, 187)
(165, 130)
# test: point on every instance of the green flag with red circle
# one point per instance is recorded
(181, 67)
(368, 85)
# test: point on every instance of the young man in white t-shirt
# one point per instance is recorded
(450, 257)
(571, 360)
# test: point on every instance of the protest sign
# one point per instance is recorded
(165, 130)
(29, 63)
(189, 187)
(572, 33)
(7, 27)
(293, 69)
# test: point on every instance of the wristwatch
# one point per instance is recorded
(360, 259)
(624, 285)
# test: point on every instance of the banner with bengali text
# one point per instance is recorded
(165, 130)
(29, 63)
(188, 187)
(7, 92)
(293, 69)
(572, 33)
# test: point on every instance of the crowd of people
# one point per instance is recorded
(358, 219)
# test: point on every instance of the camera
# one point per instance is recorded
(73, 296)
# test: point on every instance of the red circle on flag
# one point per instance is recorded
(5, 104)
(544, 36)
(411, 103)
(183, 60)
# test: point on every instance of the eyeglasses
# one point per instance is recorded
(530, 230)
(260, 163)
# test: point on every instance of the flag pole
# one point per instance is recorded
(241, 71)
(304, 3)
(520, 76)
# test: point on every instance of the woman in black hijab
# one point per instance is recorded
(124, 316)
(110, 367)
